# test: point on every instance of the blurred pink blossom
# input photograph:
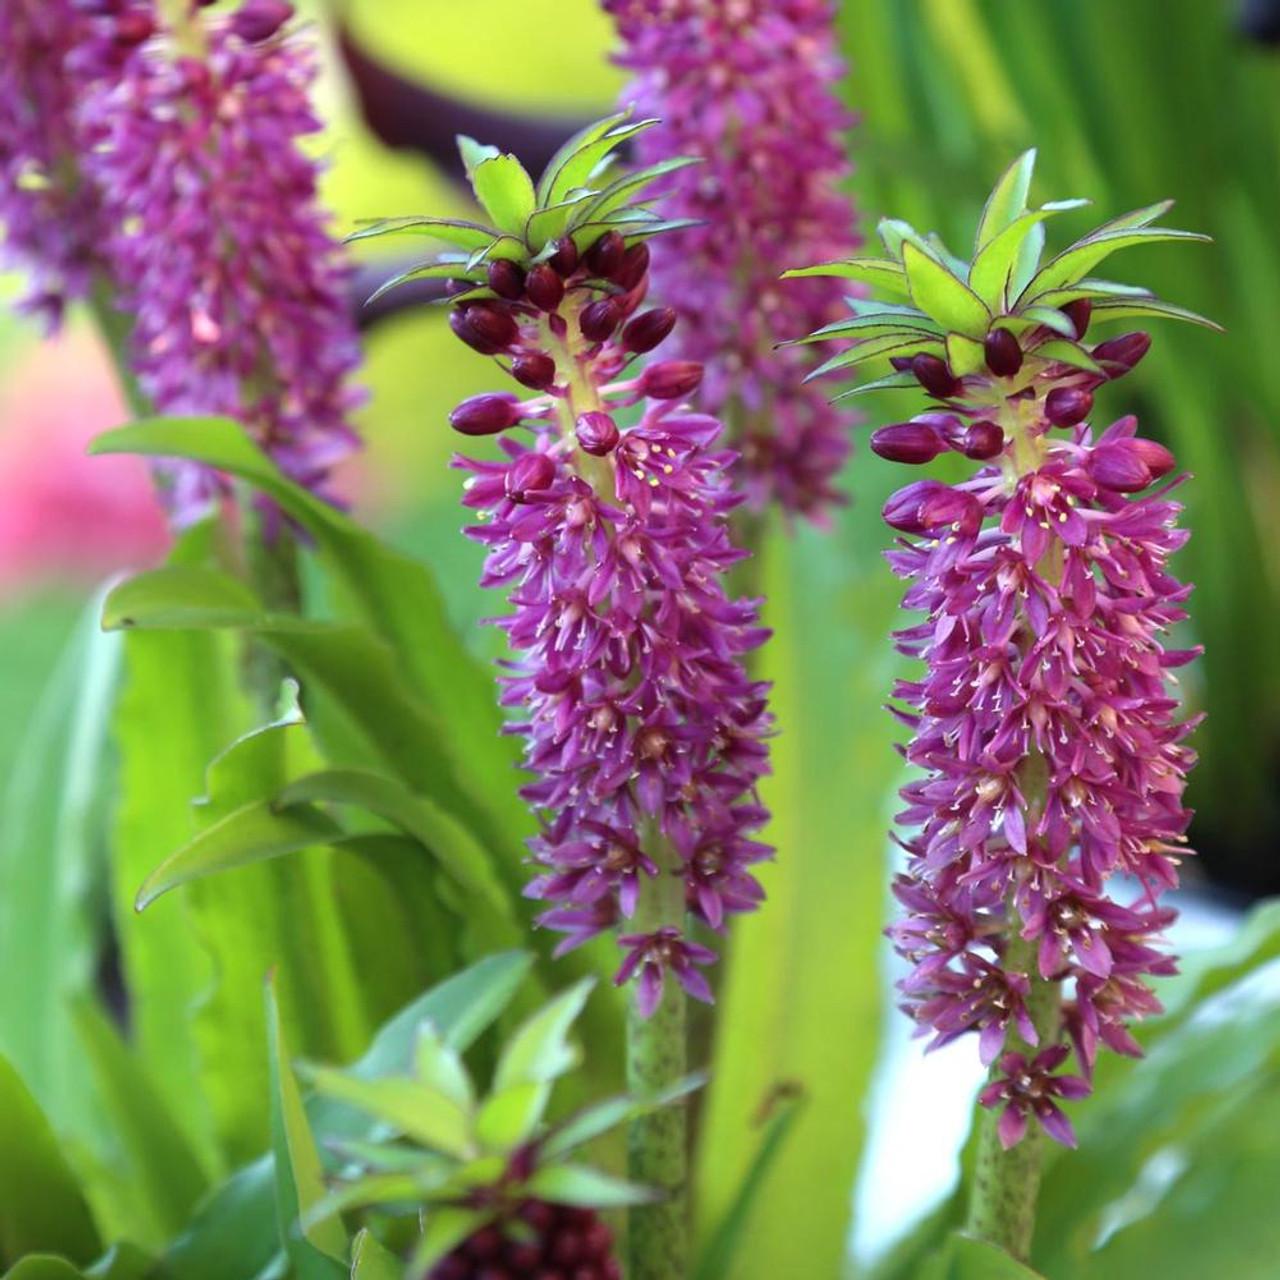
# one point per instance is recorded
(66, 517)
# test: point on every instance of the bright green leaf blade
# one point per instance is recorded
(992, 269)
(571, 148)
(964, 355)
(1007, 201)
(446, 1228)
(465, 235)
(890, 382)
(598, 1119)
(440, 1068)
(41, 1207)
(474, 153)
(419, 1113)
(399, 599)
(884, 276)
(1143, 217)
(511, 1116)
(254, 833)
(1068, 353)
(576, 167)
(876, 349)
(938, 293)
(625, 189)
(371, 1261)
(539, 1050)
(1153, 309)
(44, 1266)
(1076, 262)
(51, 846)
(161, 1162)
(963, 1258)
(505, 191)
(317, 1250)
(427, 271)
(1051, 318)
(234, 1233)
(722, 1250)
(458, 850)
(589, 1188)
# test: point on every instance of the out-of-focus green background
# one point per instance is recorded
(1128, 103)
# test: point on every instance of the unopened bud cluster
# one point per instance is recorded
(607, 525)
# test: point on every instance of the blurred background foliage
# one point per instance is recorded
(1127, 104)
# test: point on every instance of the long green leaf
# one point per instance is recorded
(41, 1207)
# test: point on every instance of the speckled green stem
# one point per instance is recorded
(657, 1143)
(1006, 1184)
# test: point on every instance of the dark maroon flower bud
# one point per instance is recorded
(534, 369)
(605, 256)
(1118, 355)
(529, 473)
(486, 415)
(1004, 355)
(506, 279)
(487, 328)
(913, 442)
(983, 440)
(648, 330)
(1118, 466)
(901, 364)
(934, 376)
(565, 258)
(930, 504)
(452, 286)
(634, 265)
(1158, 459)
(1065, 406)
(599, 320)
(597, 433)
(259, 20)
(670, 379)
(1078, 312)
(544, 287)
(133, 29)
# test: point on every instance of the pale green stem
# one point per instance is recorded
(658, 1143)
(1006, 1184)
(657, 1047)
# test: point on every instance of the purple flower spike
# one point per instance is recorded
(219, 248)
(50, 220)
(1045, 814)
(644, 735)
(748, 89)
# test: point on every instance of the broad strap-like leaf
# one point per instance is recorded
(1066, 352)
(589, 1188)
(993, 267)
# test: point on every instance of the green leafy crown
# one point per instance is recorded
(941, 305)
(581, 194)
(468, 1158)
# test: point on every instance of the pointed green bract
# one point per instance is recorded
(1005, 286)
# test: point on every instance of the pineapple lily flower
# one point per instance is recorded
(1047, 818)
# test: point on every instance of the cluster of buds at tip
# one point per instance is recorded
(1051, 760)
(750, 91)
(606, 520)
